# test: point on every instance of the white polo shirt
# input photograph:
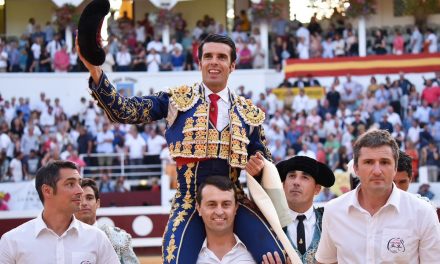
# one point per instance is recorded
(237, 255)
(404, 230)
(33, 242)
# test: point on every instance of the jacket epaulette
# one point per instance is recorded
(251, 114)
(184, 97)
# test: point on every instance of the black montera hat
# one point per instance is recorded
(322, 174)
(89, 31)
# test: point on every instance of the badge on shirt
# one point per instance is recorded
(83, 258)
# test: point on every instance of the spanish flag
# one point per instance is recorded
(385, 64)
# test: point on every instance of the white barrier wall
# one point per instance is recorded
(70, 87)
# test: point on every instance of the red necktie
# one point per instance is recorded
(213, 108)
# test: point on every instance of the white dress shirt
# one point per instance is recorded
(223, 107)
(405, 230)
(309, 226)
(237, 255)
(33, 242)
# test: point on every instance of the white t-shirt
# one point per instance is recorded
(303, 33)
(156, 45)
(417, 38)
(34, 242)
(36, 49)
(3, 59)
(433, 43)
(123, 58)
(16, 170)
(135, 147)
(404, 230)
(155, 144)
(153, 62)
(238, 254)
(104, 147)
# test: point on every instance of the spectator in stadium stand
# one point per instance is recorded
(434, 129)
(431, 92)
(399, 135)
(76, 159)
(393, 117)
(385, 124)
(416, 41)
(73, 61)
(357, 122)
(312, 81)
(245, 55)
(398, 43)
(61, 60)
(333, 97)
(258, 57)
(301, 101)
(285, 83)
(177, 59)
(135, 146)
(328, 49)
(302, 48)
(435, 110)
(38, 240)
(119, 238)
(120, 185)
(431, 45)
(105, 184)
(109, 60)
(339, 45)
(351, 94)
(104, 146)
(404, 172)
(155, 143)
(139, 62)
(188, 107)
(302, 179)
(153, 61)
(315, 45)
(323, 108)
(379, 44)
(277, 49)
(16, 168)
(422, 112)
(305, 151)
(165, 60)
(350, 215)
(123, 59)
(436, 79)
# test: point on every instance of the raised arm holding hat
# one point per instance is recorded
(302, 179)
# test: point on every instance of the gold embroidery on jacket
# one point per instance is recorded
(251, 114)
(184, 97)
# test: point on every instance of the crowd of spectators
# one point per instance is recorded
(137, 45)
(325, 129)
(32, 133)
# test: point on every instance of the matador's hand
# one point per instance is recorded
(255, 164)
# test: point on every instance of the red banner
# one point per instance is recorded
(370, 65)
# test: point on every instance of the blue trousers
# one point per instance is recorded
(185, 231)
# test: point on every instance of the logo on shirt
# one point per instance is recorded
(86, 262)
(396, 245)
